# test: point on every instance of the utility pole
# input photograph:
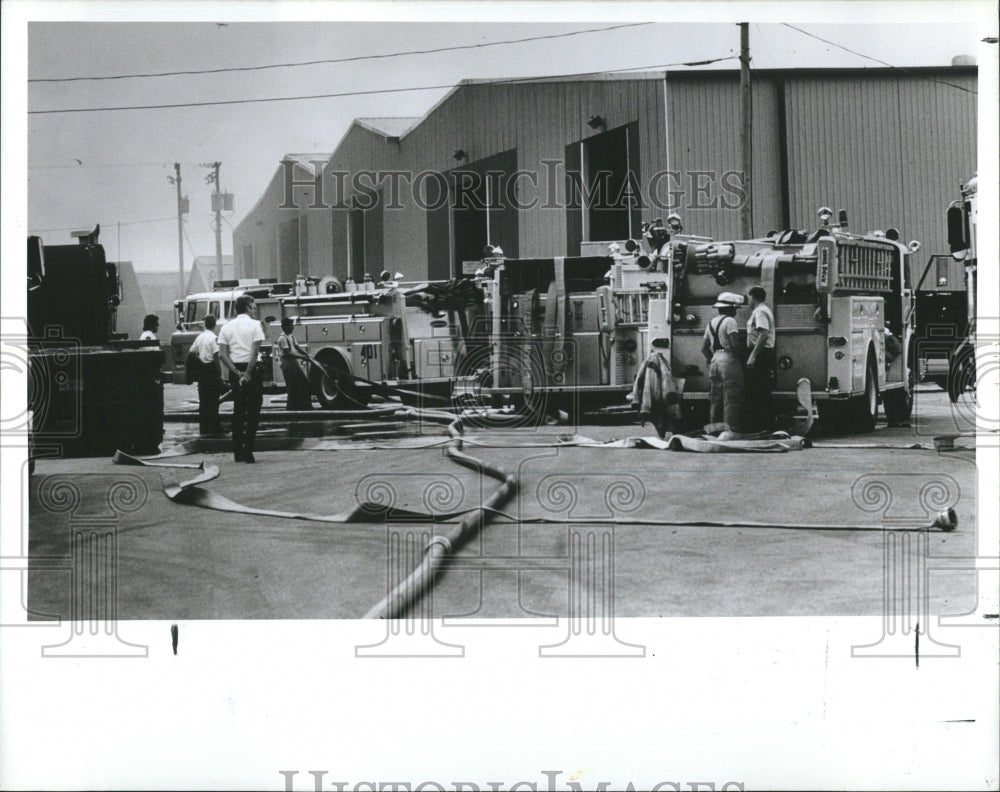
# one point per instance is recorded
(217, 200)
(746, 139)
(176, 179)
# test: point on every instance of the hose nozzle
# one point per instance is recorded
(946, 520)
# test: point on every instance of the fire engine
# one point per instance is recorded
(574, 331)
(569, 332)
(944, 297)
(387, 336)
(843, 312)
(91, 391)
(221, 303)
(962, 220)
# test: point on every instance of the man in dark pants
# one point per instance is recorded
(206, 347)
(239, 349)
(760, 363)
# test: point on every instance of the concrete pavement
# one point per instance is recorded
(182, 562)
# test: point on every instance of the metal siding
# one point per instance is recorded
(938, 138)
(891, 150)
(704, 138)
(704, 132)
(844, 152)
(537, 120)
(767, 198)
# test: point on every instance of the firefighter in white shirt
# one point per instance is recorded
(760, 362)
(206, 348)
(239, 350)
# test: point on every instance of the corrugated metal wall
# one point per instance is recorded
(704, 119)
(889, 147)
(889, 150)
(538, 120)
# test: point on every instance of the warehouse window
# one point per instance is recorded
(602, 179)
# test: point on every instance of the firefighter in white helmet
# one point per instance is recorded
(725, 365)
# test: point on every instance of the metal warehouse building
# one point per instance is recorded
(541, 166)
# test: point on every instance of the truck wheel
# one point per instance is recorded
(833, 415)
(864, 408)
(962, 375)
(898, 403)
(331, 382)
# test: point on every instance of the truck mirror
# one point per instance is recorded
(36, 260)
(956, 232)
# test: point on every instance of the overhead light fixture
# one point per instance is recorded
(460, 154)
(595, 122)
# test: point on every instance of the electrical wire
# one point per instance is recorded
(501, 81)
(124, 223)
(339, 60)
(79, 164)
(881, 62)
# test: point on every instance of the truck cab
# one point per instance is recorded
(221, 303)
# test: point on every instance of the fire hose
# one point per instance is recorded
(336, 377)
(441, 546)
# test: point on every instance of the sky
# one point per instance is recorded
(112, 167)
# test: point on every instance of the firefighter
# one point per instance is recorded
(206, 348)
(760, 362)
(239, 350)
(725, 366)
(296, 383)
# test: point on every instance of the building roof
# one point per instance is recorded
(305, 161)
(388, 126)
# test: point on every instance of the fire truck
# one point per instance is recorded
(962, 221)
(221, 303)
(384, 336)
(569, 332)
(945, 300)
(842, 304)
(574, 331)
(91, 391)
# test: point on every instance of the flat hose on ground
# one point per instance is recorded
(440, 546)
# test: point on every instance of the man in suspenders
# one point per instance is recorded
(725, 366)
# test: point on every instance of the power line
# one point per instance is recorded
(124, 223)
(502, 81)
(190, 247)
(80, 164)
(876, 60)
(340, 60)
